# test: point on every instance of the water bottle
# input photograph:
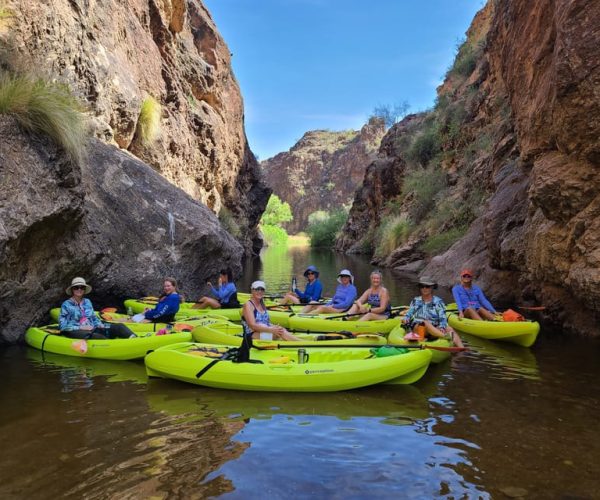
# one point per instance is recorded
(294, 283)
(129, 311)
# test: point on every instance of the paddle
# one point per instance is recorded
(345, 333)
(369, 346)
(397, 308)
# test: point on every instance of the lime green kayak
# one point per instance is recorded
(278, 370)
(112, 317)
(329, 323)
(396, 337)
(48, 339)
(223, 332)
(186, 310)
(523, 333)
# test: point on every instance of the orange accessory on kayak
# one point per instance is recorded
(510, 315)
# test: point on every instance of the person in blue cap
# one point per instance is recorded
(342, 300)
(312, 292)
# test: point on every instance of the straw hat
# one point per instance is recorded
(78, 282)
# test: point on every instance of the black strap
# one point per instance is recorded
(207, 367)
(44, 341)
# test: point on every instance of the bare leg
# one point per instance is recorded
(486, 314)
(289, 298)
(471, 313)
(325, 309)
(372, 316)
(207, 302)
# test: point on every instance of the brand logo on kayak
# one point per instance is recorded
(309, 372)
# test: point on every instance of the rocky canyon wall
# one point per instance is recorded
(322, 170)
(527, 136)
(115, 54)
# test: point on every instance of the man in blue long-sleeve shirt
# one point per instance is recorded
(225, 293)
(470, 299)
(342, 300)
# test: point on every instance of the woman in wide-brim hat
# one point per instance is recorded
(343, 298)
(312, 292)
(429, 310)
(77, 319)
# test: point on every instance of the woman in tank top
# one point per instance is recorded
(375, 302)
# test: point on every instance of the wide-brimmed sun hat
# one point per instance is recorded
(426, 280)
(345, 272)
(311, 269)
(258, 284)
(78, 282)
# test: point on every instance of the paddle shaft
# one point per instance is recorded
(397, 308)
(368, 346)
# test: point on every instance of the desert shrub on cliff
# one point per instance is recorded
(148, 126)
(438, 243)
(425, 186)
(390, 113)
(45, 108)
(324, 227)
(425, 145)
(393, 231)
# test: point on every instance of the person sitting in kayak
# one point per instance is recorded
(470, 299)
(167, 307)
(430, 311)
(375, 302)
(255, 317)
(77, 319)
(225, 293)
(312, 292)
(343, 298)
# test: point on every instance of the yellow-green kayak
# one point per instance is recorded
(48, 339)
(278, 370)
(223, 332)
(185, 309)
(331, 323)
(396, 337)
(523, 333)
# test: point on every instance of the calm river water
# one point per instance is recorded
(497, 422)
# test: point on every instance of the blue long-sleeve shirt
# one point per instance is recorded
(312, 291)
(166, 306)
(73, 315)
(471, 297)
(343, 297)
(223, 292)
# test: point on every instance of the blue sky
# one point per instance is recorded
(325, 64)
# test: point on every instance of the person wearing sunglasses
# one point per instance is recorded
(77, 319)
(429, 310)
(225, 293)
(312, 292)
(255, 317)
(470, 299)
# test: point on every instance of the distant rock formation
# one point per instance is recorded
(322, 170)
(116, 54)
(526, 132)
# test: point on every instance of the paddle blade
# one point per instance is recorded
(109, 310)
(80, 346)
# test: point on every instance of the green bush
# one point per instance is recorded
(229, 223)
(438, 243)
(465, 60)
(393, 231)
(426, 144)
(274, 235)
(148, 126)
(277, 212)
(426, 186)
(323, 228)
(45, 108)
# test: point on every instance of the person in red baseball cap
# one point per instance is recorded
(470, 299)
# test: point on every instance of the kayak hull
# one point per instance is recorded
(322, 324)
(523, 333)
(396, 337)
(327, 369)
(113, 349)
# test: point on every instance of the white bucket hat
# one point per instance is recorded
(345, 272)
(258, 284)
(78, 282)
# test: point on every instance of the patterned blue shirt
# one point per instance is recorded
(434, 311)
(73, 315)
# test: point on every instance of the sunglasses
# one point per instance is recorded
(259, 289)
(78, 287)
(310, 273)
(466, 276)
(425, 286)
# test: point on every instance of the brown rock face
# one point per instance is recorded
(114, 221)
(538, 235)
(322, 170)
(115, 54)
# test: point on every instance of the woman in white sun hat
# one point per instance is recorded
(77, 319)
(343, 298)
(255, 317)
